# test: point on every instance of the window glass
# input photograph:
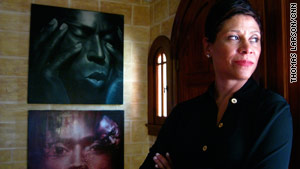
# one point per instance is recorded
(161, 92)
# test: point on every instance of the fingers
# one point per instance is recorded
(37, 51)
(117, 54)
(57, 35)
(46, 32)
(162, 162)
(46, 42)
(158, 164)
(120, 34)
(63, 57)
(169, 159)
(51, 43)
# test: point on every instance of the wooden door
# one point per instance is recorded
(194, 72)
(277, 70)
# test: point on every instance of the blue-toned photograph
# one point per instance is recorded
(76, 56)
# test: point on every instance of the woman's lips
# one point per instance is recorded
(244, 62)
(96, 78)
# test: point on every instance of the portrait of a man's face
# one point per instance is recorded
(76, 56)
(75, 139)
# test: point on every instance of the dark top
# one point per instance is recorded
(255, 132)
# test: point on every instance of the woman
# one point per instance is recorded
(235, 124)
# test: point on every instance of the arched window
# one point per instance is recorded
(160, 84)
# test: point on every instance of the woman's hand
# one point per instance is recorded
(46, 62)
(163, 162)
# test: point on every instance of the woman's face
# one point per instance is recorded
(236, 51)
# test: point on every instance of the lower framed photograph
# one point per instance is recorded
(63, 139)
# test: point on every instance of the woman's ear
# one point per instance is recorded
(206, 45)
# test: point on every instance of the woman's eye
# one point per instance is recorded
(255, 39)
(95, 148)
(233, 37)
(78, 32)
(58, 150)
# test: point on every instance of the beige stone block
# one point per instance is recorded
(137, 34)
(166, 27)
(135, 72)
(13, 135)
(151, 14)
(127, 52)
(140, 53)
(19, 155)
(173, 5)
(127, 129)
(154, 33)
(161, 11)
(131, 149)
(141, 15)
(136, 111)
(15, 5)
(152, 139)
(127, 71)
(5, 156)
(13, 67)
(137, 160)
(127, 162)
(139, 72)
(130, 1)
(91, 5)
(6, 166)
(13, 89)
(146, 148)
(58, 3)
(20, 138)
(139, 131)
(13, 112)
(6, 135)
(22, 165)
(135, 93)
(14, 44)
(117, 8)
(146, 2)
(14, 21)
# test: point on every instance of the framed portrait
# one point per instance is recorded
(75, 56)
(75, 139)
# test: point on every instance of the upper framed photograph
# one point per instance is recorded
(75, 57)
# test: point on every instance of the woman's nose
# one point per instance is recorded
(95, 52)
(245, 48)
(77, 160)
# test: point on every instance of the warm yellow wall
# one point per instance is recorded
(162, 16)
(143, 22)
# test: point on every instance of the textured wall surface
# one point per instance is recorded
(144, 21)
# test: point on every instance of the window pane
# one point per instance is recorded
(159, 58)
(165, 89)
(164, 58)
(159, 89)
